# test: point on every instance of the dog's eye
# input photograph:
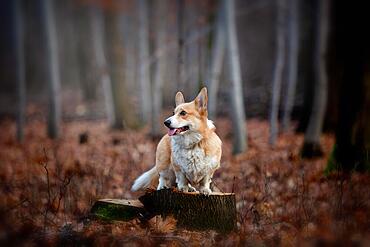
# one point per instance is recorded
(183, 113)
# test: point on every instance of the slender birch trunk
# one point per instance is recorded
(52, 67)
(115, 57)
(217, 57)
(278, 71)
(144, 69)
(293, 48)
(311, 145)
(19, 67)
(180, 45)
(240, 131)
(192, 52)
(160, 43)
(130, 45)
(97, 31)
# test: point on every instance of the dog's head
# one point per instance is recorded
(189, 117)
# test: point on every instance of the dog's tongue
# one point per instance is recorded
(172, 132)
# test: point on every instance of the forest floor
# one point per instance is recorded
(48, 187)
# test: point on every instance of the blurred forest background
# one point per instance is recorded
(86, 84)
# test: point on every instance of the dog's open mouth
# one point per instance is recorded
(175, 131)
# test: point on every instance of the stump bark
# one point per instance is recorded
(192, 210)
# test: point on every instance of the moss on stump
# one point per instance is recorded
(115, 209)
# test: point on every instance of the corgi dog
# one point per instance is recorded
(189, 154)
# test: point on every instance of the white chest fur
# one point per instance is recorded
(191, 159)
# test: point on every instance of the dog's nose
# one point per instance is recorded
(167, 123)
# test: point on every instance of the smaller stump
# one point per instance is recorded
(115, 209)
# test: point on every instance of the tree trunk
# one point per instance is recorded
(351, 56)
(306, 60)
(101, 70)
(240, 131)
(170, 82)
(180, 46)
(68, 46)
(311, 145)
(191, 49)
(86, 57)
(278, 71)
(144, 66)
(192, 211)
(19, 67)
(51, 51)
(160, 68)
(293, 43)
(115, 54)
(217, 56)
(131, 58)
(351, 151)
(204, 49)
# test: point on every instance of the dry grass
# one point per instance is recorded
(47, 188)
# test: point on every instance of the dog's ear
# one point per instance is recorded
(179, 98)
(202, 99)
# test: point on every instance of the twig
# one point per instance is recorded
(303, 204)
(62, 189)
(233, 189)
(219, 187)
(16, 205)
(45, 165)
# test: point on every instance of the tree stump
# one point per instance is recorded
(192, 210)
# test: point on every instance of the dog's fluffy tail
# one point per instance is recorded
(146, 180)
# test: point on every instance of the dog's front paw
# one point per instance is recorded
(205, 191)
(184, 188)
(192, 189)
(162, 187)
